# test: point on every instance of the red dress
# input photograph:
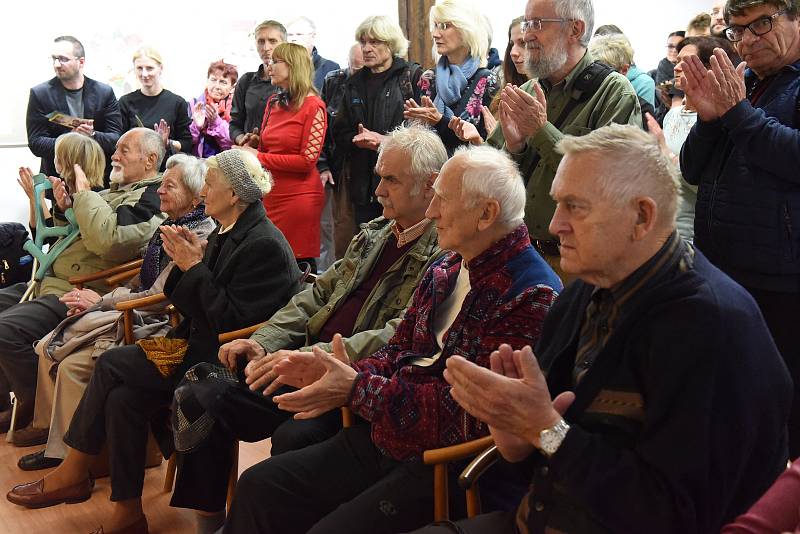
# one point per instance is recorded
(291, 142)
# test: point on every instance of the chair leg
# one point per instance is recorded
(233, 477)
(473, 501)
(440, 508)
(169, 479)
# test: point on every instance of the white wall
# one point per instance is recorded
(191, 35)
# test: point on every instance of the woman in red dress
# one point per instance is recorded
(292, 134)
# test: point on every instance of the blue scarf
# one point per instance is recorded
(451, 81)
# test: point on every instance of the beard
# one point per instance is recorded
(117, 175)
(548, 63)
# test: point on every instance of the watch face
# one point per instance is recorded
(551, 438)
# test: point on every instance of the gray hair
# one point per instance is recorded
(577, 10)
(423, 147)
(491, 174)
(193, 171)
(382, 28)
(633, 166)
(150, 142)
(737, 8)
(303, 19)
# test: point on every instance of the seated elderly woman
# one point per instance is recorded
(461, 84)
(67, 354)
(492, 288)
(211, 111)
(246, 273)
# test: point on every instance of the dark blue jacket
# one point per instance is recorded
(679, 425)
(99, 103)
(322, 67)
(747, 217)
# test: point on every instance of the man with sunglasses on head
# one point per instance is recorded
(557, 101)
(742, 154)
(73, 94)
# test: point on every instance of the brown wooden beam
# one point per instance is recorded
(414, 21)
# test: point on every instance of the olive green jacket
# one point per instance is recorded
(116, 224)
(297, 325)
(615, 101)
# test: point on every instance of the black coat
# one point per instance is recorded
(99, 103)
(381, 112)
(244, 278)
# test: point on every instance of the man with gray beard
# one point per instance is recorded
(557, 101)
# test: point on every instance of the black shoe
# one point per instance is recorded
(36, 461)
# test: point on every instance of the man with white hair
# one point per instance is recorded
(115, 225)
(303, 31)
(657, 401)
(568, 94)
(491, 288)
(362, 297)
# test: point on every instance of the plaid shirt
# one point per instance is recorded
(409, 406)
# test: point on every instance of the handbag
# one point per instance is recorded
(15, 262)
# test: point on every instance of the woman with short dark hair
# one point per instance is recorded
(211, 111)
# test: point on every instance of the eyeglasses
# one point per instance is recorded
(442, 26)
(758, 27)
(62, 59)
(672, 46)
(272, 62)
(535, 25)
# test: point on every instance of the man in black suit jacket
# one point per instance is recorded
(74, 94)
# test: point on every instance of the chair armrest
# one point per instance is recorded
(456, 452)
(105, 273)
(142, 302)
(479, 465)
(120, 278)
(239, 334)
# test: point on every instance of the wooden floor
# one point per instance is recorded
(86, 517)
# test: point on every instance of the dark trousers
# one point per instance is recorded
(781, 312)
(492, 523)
(239, 414)
(344, 484)
(20, 326)
(125, 393)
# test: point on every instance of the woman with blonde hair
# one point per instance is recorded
(292, 135)
(71, 149)
(461, 84)
(154, 107)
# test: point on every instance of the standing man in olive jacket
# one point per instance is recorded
(372, 105)
(362, 296)
(71, 93)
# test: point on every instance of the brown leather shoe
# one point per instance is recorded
(139, 527)
(30, 436)
(33, 495)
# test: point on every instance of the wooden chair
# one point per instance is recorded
(113, 277)
(440, 458)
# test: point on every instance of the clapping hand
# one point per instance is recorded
(183, 246)
(199, 115)
(162, 129)
(425, 112)
(325, 381)
(367, 138)
(465, 130)
(521, 115)
(60, 193)
(512, 398)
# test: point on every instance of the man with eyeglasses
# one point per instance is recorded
(743, 155)
(74, 94)
(534, 117)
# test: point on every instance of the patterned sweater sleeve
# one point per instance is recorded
(314, 127)
(412, 411)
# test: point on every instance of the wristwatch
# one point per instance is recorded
(550, 438)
